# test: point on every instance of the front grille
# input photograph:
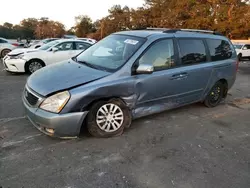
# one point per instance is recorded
(32, 99)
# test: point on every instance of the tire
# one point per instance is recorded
(240, 57)
(215, 95)
(108, 126)
(33, 65)
(4, 52)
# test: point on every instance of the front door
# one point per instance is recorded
(172, 83)
(64, 52)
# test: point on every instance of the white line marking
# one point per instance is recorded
(11, 119)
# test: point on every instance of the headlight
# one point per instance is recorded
(17, 57)
(55, 103)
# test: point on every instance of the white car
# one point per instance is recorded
(6, 46)
(242, 50)
(30, 60)
(38, 44)
(93, 41)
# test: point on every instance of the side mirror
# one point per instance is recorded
(145, 69)
(244, 48)
(54, 49)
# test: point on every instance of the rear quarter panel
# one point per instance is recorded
(222, 70)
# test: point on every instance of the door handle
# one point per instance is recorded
(179, 76)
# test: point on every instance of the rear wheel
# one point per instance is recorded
(108, 118)
(215, 95)
(5, 52)
(33, 65)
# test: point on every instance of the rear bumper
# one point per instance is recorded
(64, 125)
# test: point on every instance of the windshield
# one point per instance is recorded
(112, 52)
(238, 46)
(48, 45)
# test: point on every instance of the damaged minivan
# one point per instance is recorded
(128, 75)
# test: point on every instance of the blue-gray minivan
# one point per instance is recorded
(128, 75)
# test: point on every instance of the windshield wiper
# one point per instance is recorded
(90, 65)
(74, 58)
(85, 63)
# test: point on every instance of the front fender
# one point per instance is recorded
(83, 96)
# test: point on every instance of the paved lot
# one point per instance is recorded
(190, 147)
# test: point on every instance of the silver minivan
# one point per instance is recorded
(128, 75)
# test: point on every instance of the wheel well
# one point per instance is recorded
(224, 82)
(3, 50)
(102, 99)
(83, 127)
(34, 59)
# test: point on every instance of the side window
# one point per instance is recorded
(246, 47)
(65, 46)
(219, 49)
(81, 46)
(160, 55)
(192, 51)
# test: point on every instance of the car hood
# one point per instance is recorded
(21, 51)
(62, 76)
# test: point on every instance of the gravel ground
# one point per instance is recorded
(189, 147)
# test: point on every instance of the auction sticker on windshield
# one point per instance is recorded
(130, 41)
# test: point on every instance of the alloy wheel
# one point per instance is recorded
(109, 117)
(34, 66)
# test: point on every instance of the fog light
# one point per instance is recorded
(51, 131)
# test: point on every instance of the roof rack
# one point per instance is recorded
(202, 31)
(156, 28)
(168, 30)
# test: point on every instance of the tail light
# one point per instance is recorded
(15, 44)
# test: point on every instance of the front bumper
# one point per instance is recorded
(14, 65)
(64, 125)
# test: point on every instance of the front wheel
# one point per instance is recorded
(215, 95)
(108, 118)
(33, 65)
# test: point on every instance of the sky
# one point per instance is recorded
(59, 10)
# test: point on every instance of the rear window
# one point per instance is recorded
(219, 49)
(192, 51)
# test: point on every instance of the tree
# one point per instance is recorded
(29, 26)
(71, 31)
(48, 28)
(231, 17)
(8, 25)
(83, 26)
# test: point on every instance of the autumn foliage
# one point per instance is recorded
(231, 17)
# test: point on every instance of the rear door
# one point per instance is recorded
(3, 43)
(79, 47)
(194, 63)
